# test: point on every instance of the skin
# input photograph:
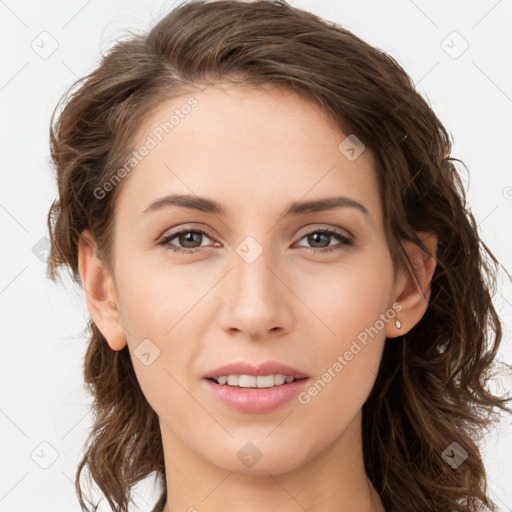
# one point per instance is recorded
(255, 152)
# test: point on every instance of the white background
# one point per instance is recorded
(42, 397)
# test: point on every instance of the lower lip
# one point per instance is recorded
(255, 400)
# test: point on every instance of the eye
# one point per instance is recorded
(187, 237)
(319, 236)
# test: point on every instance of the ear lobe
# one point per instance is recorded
(100, 292)
(414, 295)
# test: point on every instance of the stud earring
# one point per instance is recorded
(398, 324)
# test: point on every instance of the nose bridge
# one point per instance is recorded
(256, 301)
(253, 281)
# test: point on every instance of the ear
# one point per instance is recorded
(100, 292)
(413, 296)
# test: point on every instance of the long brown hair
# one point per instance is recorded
(432, 387)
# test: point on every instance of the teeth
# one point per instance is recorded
(252, 381)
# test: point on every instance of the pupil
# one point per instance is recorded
(189, 237)
(315, 235)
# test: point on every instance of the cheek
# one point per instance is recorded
(345, 299)
(154, 304)
(154, 298)
(158, 313)
(350, 306)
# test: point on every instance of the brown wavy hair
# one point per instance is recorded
(432, 387)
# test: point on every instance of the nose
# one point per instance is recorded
(257, 299)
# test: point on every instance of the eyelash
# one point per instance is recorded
(347, 240)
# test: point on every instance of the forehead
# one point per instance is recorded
(245, 143)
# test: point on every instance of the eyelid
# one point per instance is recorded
(180, 227)
(341, 231)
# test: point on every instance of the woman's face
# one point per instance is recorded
(251, 283)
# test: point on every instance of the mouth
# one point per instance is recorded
(251, 388)
(254, 381)
(248, 375)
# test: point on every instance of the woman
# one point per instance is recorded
(289, 301)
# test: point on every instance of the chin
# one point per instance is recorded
(257, 457)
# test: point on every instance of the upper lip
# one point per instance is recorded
(264, 368)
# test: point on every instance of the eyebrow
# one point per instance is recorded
(206, 205)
